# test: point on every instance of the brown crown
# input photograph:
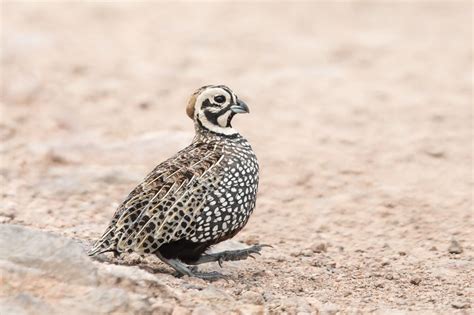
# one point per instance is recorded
(190, 106)
(192, 101)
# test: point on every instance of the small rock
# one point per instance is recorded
(437, 153)
(295, 253)
(252, 297)
(379, 285)
(52, 157)
(144, 105)
(297, 305)
(267, 296)
(192, 286)
(385, 262)
(258, 273)
(306, 253)
(402, 253)
(389, 276)
(52, 255)
(415, 281)
(455, 247)
(319, 248)
(433, 249)
(459, 305)
(280, 258)
(316, 263)
(332, 264)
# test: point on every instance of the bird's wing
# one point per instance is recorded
(164, 205)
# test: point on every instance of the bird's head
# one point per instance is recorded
(213, 106)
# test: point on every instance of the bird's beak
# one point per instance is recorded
(240, 107)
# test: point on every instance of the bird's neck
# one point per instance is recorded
(206, 128)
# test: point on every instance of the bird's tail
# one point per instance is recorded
(104, 244)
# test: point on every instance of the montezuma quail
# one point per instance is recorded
(201, 196)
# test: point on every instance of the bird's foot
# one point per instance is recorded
(191, 271)
(233, 255)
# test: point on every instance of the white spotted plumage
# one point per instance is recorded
(202, 195)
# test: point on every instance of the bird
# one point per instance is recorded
(199, 197)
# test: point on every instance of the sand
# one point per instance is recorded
(360, 115)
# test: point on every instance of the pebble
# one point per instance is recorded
(460, 305)
(252, 297)
(295, 253)
(437, 153)
(267, 296)
(304, 252)
(297, 305)
(415, 281)
(316, 263)
(191, 286)
(332, 264)
(280, 258)
(455, 247)
(319, 248)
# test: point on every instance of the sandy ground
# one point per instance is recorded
(361, 117)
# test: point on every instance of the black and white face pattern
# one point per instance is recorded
(216, 106)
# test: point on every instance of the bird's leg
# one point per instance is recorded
(230, 255)
(184, 270)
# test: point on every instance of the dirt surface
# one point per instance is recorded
(361, 117)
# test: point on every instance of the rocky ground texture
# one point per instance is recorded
(361, 117)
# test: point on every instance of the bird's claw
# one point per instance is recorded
(240, 254)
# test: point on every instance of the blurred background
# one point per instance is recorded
(360, 115)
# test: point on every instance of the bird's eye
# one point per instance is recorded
(219, 98)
